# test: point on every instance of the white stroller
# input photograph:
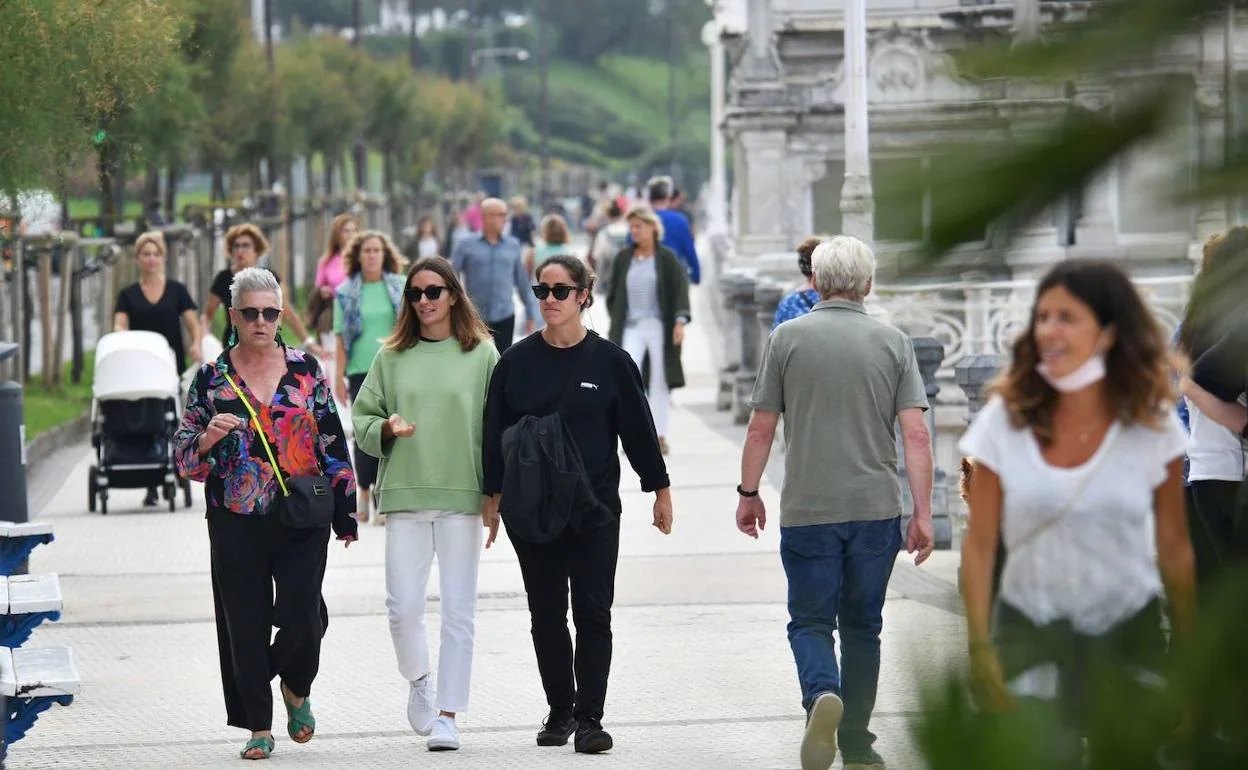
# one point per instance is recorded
(135, 410)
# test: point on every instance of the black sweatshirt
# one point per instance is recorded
(606, 407)
(1223, 368)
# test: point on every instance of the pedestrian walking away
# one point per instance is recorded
(1078, 465)
(420, 410)
(366, 305)
(842, 380)
(677, 232)
(260, 430)
(156, 304)
(331, 271)
(649, 309)
(560, 405)
(492, 267)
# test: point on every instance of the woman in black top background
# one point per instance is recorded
(604, 406)
(156, 304)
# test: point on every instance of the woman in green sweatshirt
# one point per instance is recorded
(420, 411)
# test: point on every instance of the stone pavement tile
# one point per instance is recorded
(718, 670)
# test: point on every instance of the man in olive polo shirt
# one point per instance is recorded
(842, 380)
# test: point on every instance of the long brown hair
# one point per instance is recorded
(336, 243)
(1138, 365)
(1222, 256)
(392, 261)
(466, 323)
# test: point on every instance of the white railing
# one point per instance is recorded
(972, 318)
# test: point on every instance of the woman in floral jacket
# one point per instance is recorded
(252, 550)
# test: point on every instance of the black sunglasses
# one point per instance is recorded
(250, 314)
(560, 290)
(414, 293)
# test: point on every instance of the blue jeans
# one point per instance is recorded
(838, 576)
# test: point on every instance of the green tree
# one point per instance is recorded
(323, 114)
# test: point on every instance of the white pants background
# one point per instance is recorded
(646, 336)
(412, 540)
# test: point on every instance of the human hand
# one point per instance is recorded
(919, 537)
(218, 427)
(197, 354)
(663, 515)
(346, 541)
(678, 334)
(490, 518)
(987, 681)
(399, 427)
(751, 516)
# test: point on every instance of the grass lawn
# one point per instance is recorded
(46, 408)
(86, 208)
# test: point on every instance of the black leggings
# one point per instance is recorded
(365, 464)
(574, 682)
(251, 555)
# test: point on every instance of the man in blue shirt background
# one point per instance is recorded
(677, 233)
(492, 265)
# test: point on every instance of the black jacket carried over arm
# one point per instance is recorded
(604, 407)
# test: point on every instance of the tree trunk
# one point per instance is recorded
(413, 42)
(343, 181)
(151, 188)
(218, 184)
(171, 192)
(387, 173)
(119, 185)
(327, 163)
(108, 204)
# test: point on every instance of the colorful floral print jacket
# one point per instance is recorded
(302, 426)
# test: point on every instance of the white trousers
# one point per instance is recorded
(411, 543)
(646, 336)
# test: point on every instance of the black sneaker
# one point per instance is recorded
(862, 759)
(592, 739)
(556, 730)
(152, 498)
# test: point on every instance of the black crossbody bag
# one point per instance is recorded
(307, 501)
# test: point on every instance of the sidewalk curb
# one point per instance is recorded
(48, 442)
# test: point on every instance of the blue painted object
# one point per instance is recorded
(16, 629)
(22, 713)
(15, 550)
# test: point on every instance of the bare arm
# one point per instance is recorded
(917, 440)
(210, 310)
(121, 322)
(1232, 416)
(758, 439)
(979, 552)
(196, 333)
(1174, 550)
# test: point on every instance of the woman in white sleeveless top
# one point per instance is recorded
(1079, 462)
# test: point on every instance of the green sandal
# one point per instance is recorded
(299, 718)
(265, 743)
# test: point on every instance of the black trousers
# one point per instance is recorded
(1211, 521)
(365, 464)
(504, 331)
(574, 682)
(251, 555)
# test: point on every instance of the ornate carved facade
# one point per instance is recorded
(784, 120)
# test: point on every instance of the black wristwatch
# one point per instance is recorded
(743, 493)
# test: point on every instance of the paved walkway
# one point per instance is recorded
(702, 676)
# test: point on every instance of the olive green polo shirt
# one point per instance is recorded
(839, 377)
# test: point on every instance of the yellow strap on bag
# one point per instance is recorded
(259, 430)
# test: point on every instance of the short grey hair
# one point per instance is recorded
(254, 279)
(843, 266)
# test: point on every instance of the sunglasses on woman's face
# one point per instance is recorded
(560, 290)
(250, 314)
(414, 293)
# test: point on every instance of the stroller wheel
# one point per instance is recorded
(92, 490)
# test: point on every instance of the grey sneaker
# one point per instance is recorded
(420, 711)
(819, 743)
(866, 759)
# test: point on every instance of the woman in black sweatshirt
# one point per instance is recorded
(596, 389)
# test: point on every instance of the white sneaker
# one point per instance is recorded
(819, 742)
(445, 735)
(420, 711)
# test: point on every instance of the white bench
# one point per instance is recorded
(24, 529)
(22, 594)
(38, 672)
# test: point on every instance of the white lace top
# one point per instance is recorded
(1097, 566)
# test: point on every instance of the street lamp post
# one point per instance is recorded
(857, 199)
(717, 206)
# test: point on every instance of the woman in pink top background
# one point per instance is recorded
(330, 273)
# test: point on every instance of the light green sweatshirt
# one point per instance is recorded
(440, 390)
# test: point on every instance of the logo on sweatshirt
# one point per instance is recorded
(589, 386)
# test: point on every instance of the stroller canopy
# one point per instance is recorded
(133, 365)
